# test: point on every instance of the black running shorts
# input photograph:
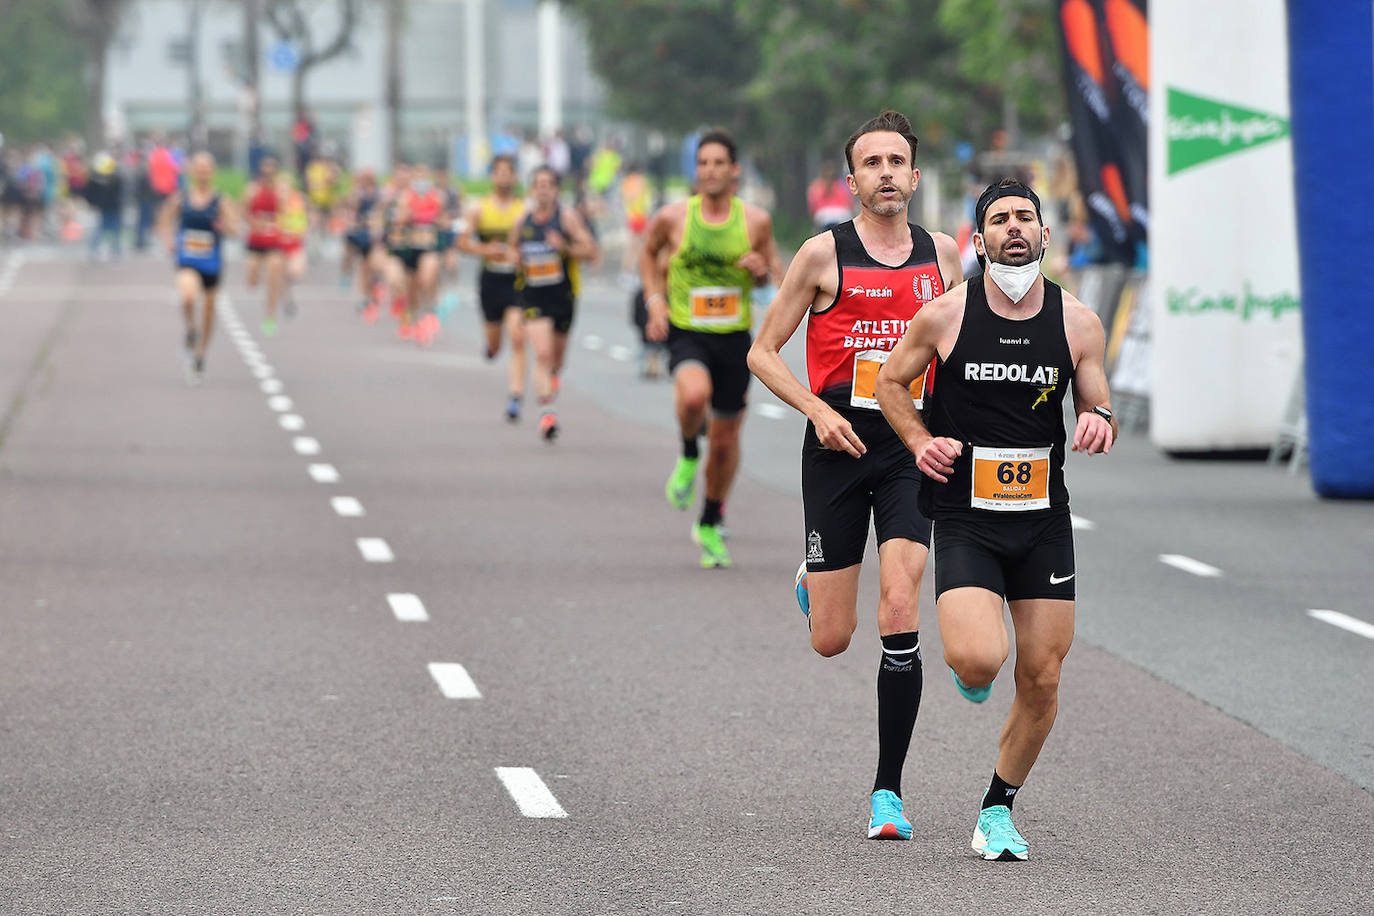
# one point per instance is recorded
(208, 281)
(840, 493)
(1018, 558)
(726, 358)
(497, 293)
(558, 308)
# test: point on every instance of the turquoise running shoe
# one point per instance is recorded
(803, 595)
(996, 838)
(713, 552)
(972, 694)
(682, 484)
(887, 822)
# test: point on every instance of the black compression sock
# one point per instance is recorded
(710, 512)
(1000, 792)
(899, 698)
(689, 448)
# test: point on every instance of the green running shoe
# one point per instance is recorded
(682, 484)
(269, 327)
(887, 822)
(713, 552)
(972, 694)
(996, 838)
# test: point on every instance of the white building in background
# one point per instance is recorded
(149, 84)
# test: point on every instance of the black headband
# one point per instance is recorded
(998, 191)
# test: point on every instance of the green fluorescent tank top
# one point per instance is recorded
(706, 290)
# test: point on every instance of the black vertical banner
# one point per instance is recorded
(1128, 50)
(1094, 97)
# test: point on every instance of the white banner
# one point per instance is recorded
(1223, 248)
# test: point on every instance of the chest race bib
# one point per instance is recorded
(864, 390)
(712, 306)
(543, 268)
(1011, 479)
(197, 243)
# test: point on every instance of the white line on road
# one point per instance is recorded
(292, 422)
(271, 386)
(306, 445)
(323, 473)
(375, 550)
(771, 411)
(262, 371)
(407, 607)
(1189, 565)
(620, 353)
(454, 681)
(280, 402)
(1344, 621)
(529, 792)
(347, 506)
(592, 342)
(1082, 524)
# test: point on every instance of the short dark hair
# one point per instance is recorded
(1005, 187)
(557, 179)
(496, 160)
(889, 120)
(716, 135)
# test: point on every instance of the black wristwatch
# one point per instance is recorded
(1102, 412)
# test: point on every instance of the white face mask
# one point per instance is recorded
(1014, 281)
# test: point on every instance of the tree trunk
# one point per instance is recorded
(394, 14)
(95, 95)
(252, 54)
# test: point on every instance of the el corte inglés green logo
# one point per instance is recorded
(1202, 129)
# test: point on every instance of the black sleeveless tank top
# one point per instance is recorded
(1001, 394)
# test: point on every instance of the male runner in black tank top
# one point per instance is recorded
(1009, 343)
(858, 285)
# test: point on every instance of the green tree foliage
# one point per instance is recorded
(40, 74)
(794, 77)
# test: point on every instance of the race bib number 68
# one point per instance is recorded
(1011, 479)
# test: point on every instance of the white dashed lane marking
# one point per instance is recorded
(375, 550)
(306, 445)
(620, 353)
(1344, 621)
(280, 403)
(1082, 524)
(592, 342)
(1189, 565)
(271, 386)
(291, 422)
(454, 681)
(323, 473)
(771, 411)
(531, 795)
(347, 506)
(407, 607)
(262, 371)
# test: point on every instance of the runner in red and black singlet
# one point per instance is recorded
(264, 240)
(1008, 343)
(858, 285)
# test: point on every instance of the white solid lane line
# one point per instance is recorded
(1081, 524)
(271, 386)
(375, 550)
(292, 422)
(1189, 565)
(454, 681)
(306, 445)
(1344, 621)
(407, 607)
(771, 411)
(280, 402)
(323, 473)
(347, 506)
(529, 792)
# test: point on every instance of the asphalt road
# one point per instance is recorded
(209, 702)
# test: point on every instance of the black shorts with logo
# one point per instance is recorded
(559, 308)
(497, 293)
(1016, 557)
(840, 492)
(726, 358)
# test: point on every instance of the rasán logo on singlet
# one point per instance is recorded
(870, 292)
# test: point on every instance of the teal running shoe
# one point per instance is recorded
(887, 822)
(713, 552)
(803, 594)
(972, 694)
(682, 485)
(996, 838)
